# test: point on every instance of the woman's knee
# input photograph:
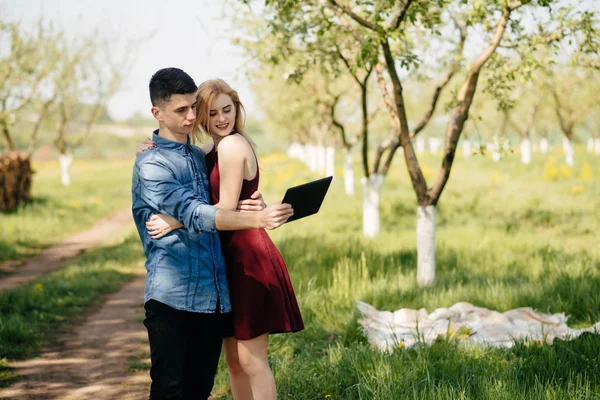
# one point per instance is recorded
(253, 366)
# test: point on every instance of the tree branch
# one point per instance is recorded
(348, 11)
(401, 14)
(465, 99)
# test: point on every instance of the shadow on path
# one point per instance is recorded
(91, 362)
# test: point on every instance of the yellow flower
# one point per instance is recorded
(586, 172)
(61, 212)
(497, 178)
(565, 172)
(577, 189)
(550, 170)
(38, 287)
(400, 345)
(75, 204)
(327, 396)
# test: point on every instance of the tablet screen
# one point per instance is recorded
(306, 199)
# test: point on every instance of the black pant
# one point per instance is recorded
(184, 351)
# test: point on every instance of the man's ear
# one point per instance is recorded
(156, 113)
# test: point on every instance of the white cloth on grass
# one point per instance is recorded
(464, 322)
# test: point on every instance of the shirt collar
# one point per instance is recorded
(168, 144)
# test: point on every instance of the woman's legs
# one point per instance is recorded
(239, 381)
(252, 356)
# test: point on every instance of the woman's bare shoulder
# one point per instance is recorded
(234, 144)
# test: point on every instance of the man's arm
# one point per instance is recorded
(163, 192)
(166, 194)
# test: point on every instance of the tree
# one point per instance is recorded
(393, 32)
(24, 71)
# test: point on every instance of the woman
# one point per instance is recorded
(262, 296)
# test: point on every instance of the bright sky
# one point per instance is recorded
(189, 34)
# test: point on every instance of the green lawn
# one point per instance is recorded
(508, 236)
(98, 189)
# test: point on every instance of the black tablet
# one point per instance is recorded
(306, 199)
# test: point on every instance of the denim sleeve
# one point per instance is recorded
(161, 190)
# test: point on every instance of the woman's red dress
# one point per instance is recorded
(262, 297)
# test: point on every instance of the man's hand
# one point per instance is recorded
(275, 215)
(254, 203)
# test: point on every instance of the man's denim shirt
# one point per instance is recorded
(185, 268)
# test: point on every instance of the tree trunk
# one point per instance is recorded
(466, 148)
(321, 154)
(569, 152)
(330, 161)
(6, 133)
(597, 146)
(295, 150)
(426, 216)
(348, 173)
(420, 146)
(311, 157)
(526, 151)
(495, 148)
(434, 145)
(371, 189)
(543, 145)
(65, 160)
(590, 145)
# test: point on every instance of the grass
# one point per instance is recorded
(33, 314)
(98, 189)
(508, 236)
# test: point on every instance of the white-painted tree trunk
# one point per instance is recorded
(466, 148)
(435, 145)
(296, 150)
(330, 161)
(302, 153)
(371, 190)
(321, 154)
(420, 146)
(569, 152)
(597, 146)
(526, 151)
(426, 216)
(543, 145)
(65, 160)
(348, 173)
(311, 157)
(590, 145)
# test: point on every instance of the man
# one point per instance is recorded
(186, 295)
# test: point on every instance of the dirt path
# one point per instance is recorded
(91, 362)
(51, 259)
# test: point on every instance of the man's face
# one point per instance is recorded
(178, 114)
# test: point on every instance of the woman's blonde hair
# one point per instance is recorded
(208, 91)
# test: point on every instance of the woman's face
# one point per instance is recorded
(222, 116)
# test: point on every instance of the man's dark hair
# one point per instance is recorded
(167, 82)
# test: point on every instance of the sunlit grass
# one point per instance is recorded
(98, 189)
(508, 236)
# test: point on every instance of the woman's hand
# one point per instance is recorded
(160, 224)
(254, 203)
(144, 145)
